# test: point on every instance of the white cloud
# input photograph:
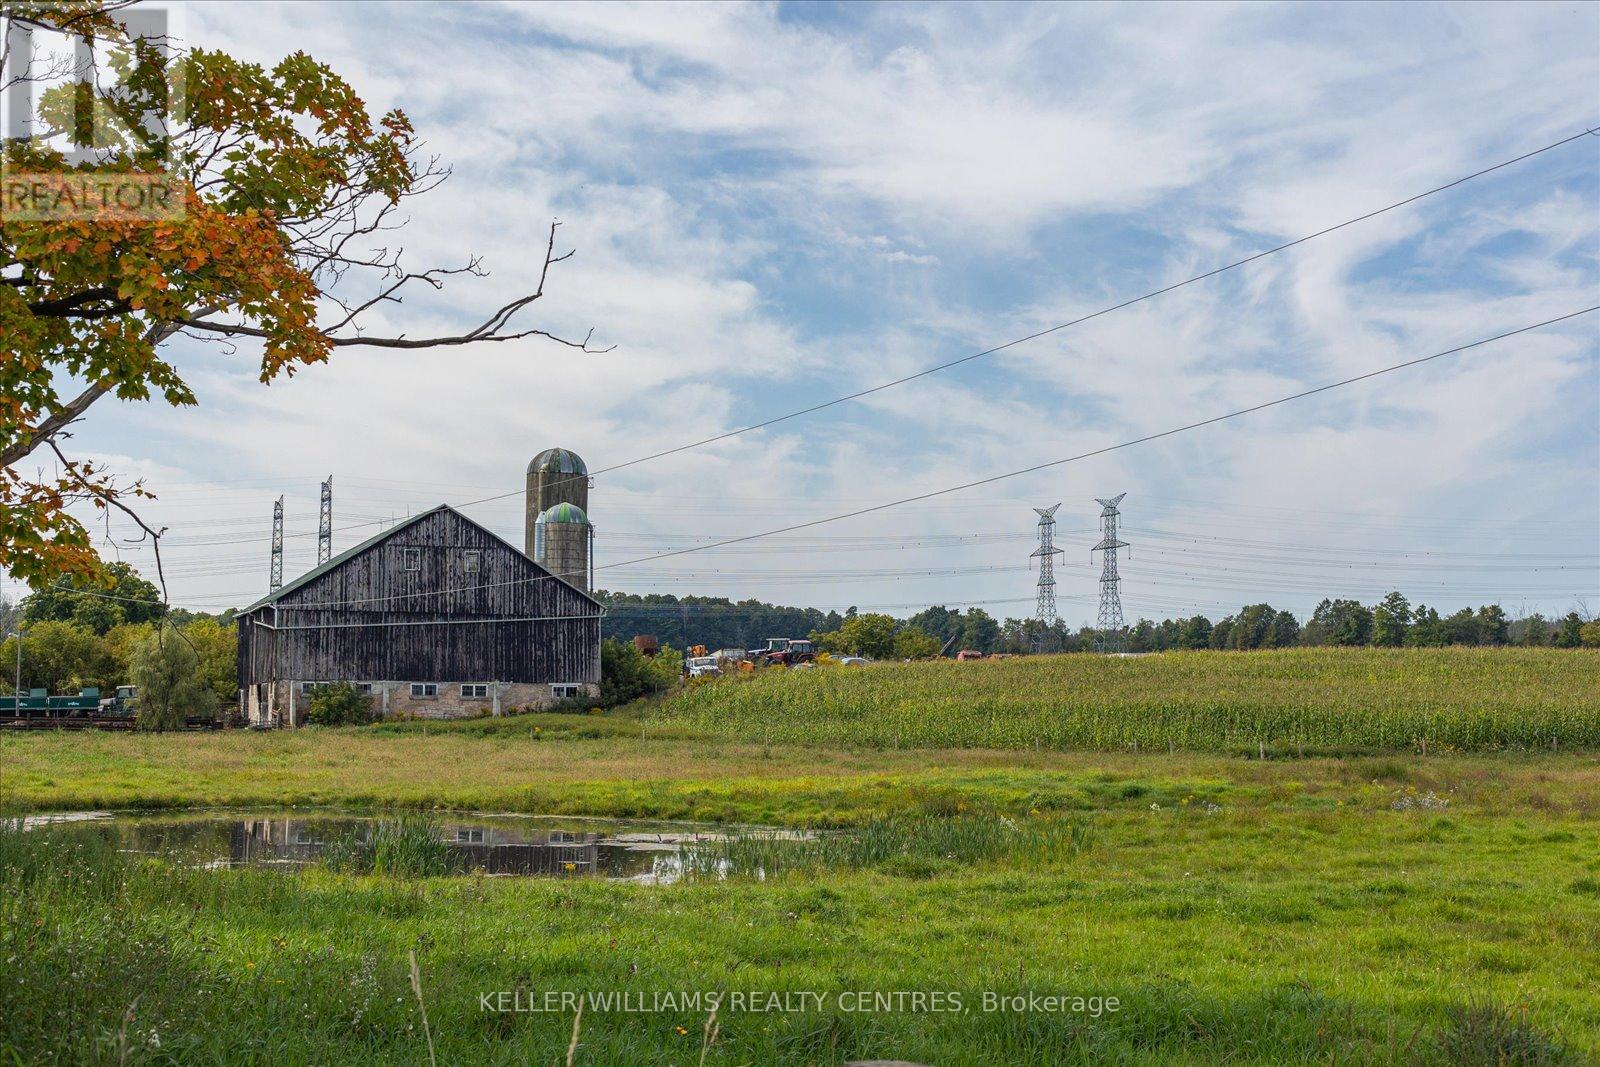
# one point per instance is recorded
(771, 209)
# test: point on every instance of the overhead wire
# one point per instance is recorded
(1187, 427)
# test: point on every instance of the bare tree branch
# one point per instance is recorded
(109, 498)
(493, 328)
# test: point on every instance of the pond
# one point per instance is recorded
(449, 842)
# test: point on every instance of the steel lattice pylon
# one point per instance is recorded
(325, 524)
(1113, 630)
(275, 577)
(1045, 608)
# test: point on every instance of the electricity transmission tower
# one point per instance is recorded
(1045, 608)
(1113, 635)
(276, 578)
(325, 524)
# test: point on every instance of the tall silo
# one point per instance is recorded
(555, 476)
(562, 541)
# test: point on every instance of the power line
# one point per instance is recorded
(1025, 470)
(1253, 257)
(1121, 445)
(1095, 314)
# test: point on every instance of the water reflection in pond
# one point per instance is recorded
(494, 845)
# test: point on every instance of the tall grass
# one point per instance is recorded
(407, 847)
(915, 845)
(1301, 701)
(1239, 940)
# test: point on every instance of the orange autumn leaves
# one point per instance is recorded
(268, 162)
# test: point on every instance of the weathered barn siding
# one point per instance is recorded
(365, 617)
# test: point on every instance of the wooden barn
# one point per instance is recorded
(435, 617)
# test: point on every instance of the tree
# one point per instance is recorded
(59, 657)
(123, 597)
(1390, 620)
(217, 647)
(979, 631)
(121, 642)
(1461, 627)
(939, 621)
(1493, 626)
(1339, 622)
(1195, 632)
(870, 635)
(1253, 627)
(1589, 634)
(912, 643)
(1221, 632)
(1285, 631)
(279, 189)
(1427, 630)
(1532, 632)
(167, 672)
(627, 674)
(1570, 633)
(1142, 636)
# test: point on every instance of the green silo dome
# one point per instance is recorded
(557, 461)
(566, 513)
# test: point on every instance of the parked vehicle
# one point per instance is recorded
(702, 666)
(785, 652)
(86, 707)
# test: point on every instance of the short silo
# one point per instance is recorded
(562, 542)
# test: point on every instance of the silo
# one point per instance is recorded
(562, 537)
(555, 476)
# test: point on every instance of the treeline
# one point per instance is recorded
(76, 635)
(1394, 622)
(715, 622)
(1391, 623)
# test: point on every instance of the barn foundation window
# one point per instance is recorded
(476, 690)
(566, 690)
(424, 689)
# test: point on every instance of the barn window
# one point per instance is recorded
(411, 559)
(475, 689)
(364, 687)
(469, 835)
(469, 561)
(424, 689)
(564, 691)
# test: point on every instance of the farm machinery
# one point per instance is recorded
(784, 652)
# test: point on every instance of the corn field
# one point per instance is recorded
(1296, 701)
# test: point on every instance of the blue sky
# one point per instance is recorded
(774, 205)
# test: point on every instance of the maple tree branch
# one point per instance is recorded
(493, 328)
(107, 496)
(60, 419)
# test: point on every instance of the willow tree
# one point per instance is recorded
(282, 190)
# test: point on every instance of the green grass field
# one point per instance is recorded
(1367, 907)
